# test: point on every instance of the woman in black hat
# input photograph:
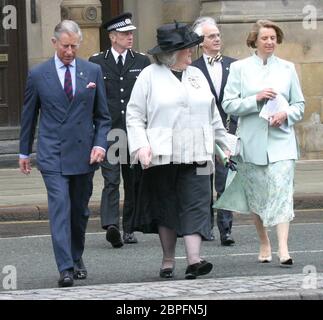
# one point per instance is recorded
(172, 123)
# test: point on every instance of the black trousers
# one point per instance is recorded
(111, 195)
(224, 217)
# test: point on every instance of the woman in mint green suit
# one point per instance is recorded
(263, 185)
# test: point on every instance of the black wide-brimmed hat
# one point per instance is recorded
(120, 23)
(175, 36)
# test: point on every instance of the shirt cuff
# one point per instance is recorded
(97, 147)
(23, 156)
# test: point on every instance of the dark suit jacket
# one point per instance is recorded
(119, 86)
(67, 131)
(200, 63)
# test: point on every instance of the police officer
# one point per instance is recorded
(121, 67)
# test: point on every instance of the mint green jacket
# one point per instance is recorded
(260, 143)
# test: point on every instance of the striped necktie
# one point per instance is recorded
(217, 58)
(68, 87)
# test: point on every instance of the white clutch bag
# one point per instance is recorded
(234, 144)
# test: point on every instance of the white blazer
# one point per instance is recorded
(177, 119)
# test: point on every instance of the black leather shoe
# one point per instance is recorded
(80, 272)
(114, 237)
(66, 278)
(227, 240)
(198, 269)
(129, 238)
(167, 273)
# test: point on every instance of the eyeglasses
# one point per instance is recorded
(213, 36)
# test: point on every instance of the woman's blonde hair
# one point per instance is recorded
(253, 34)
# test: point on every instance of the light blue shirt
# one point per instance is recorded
(61, 69)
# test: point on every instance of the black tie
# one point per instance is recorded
(217, 58)
(120, 64)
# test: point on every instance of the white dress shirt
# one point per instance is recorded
(116, 55)
(215, 72)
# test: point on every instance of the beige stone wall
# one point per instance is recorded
(149, 15)
(87, 13)
(146, 17)
(40, 33)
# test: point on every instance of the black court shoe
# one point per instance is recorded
(167, 273)
(198, 269)
(286, 263)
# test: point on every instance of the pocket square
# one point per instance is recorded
(91, 85)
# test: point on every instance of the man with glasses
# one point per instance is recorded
(216, 68)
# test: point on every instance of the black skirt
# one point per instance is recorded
(173, 196)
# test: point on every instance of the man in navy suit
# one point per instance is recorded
(216, 70)
(69, 96)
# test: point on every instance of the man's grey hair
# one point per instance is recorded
(166, 58)
(199, 22)
(67, 26)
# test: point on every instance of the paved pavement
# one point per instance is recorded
(281, 287)
(24, 198)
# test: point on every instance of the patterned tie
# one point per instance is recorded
(217, 58)
(68, 87)
(120, 64)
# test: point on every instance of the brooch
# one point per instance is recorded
(194, 83)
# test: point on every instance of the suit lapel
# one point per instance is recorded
(54, 83)
(225, 73)
(111, 63)
(81, 78)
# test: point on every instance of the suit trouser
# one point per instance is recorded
(224, 217)
(111, 195)
(68, 198)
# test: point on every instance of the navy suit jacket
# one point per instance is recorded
(200, 63)
(67, 131)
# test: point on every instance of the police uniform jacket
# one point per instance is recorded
(119, 85)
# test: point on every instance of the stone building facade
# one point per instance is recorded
(301, 21)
